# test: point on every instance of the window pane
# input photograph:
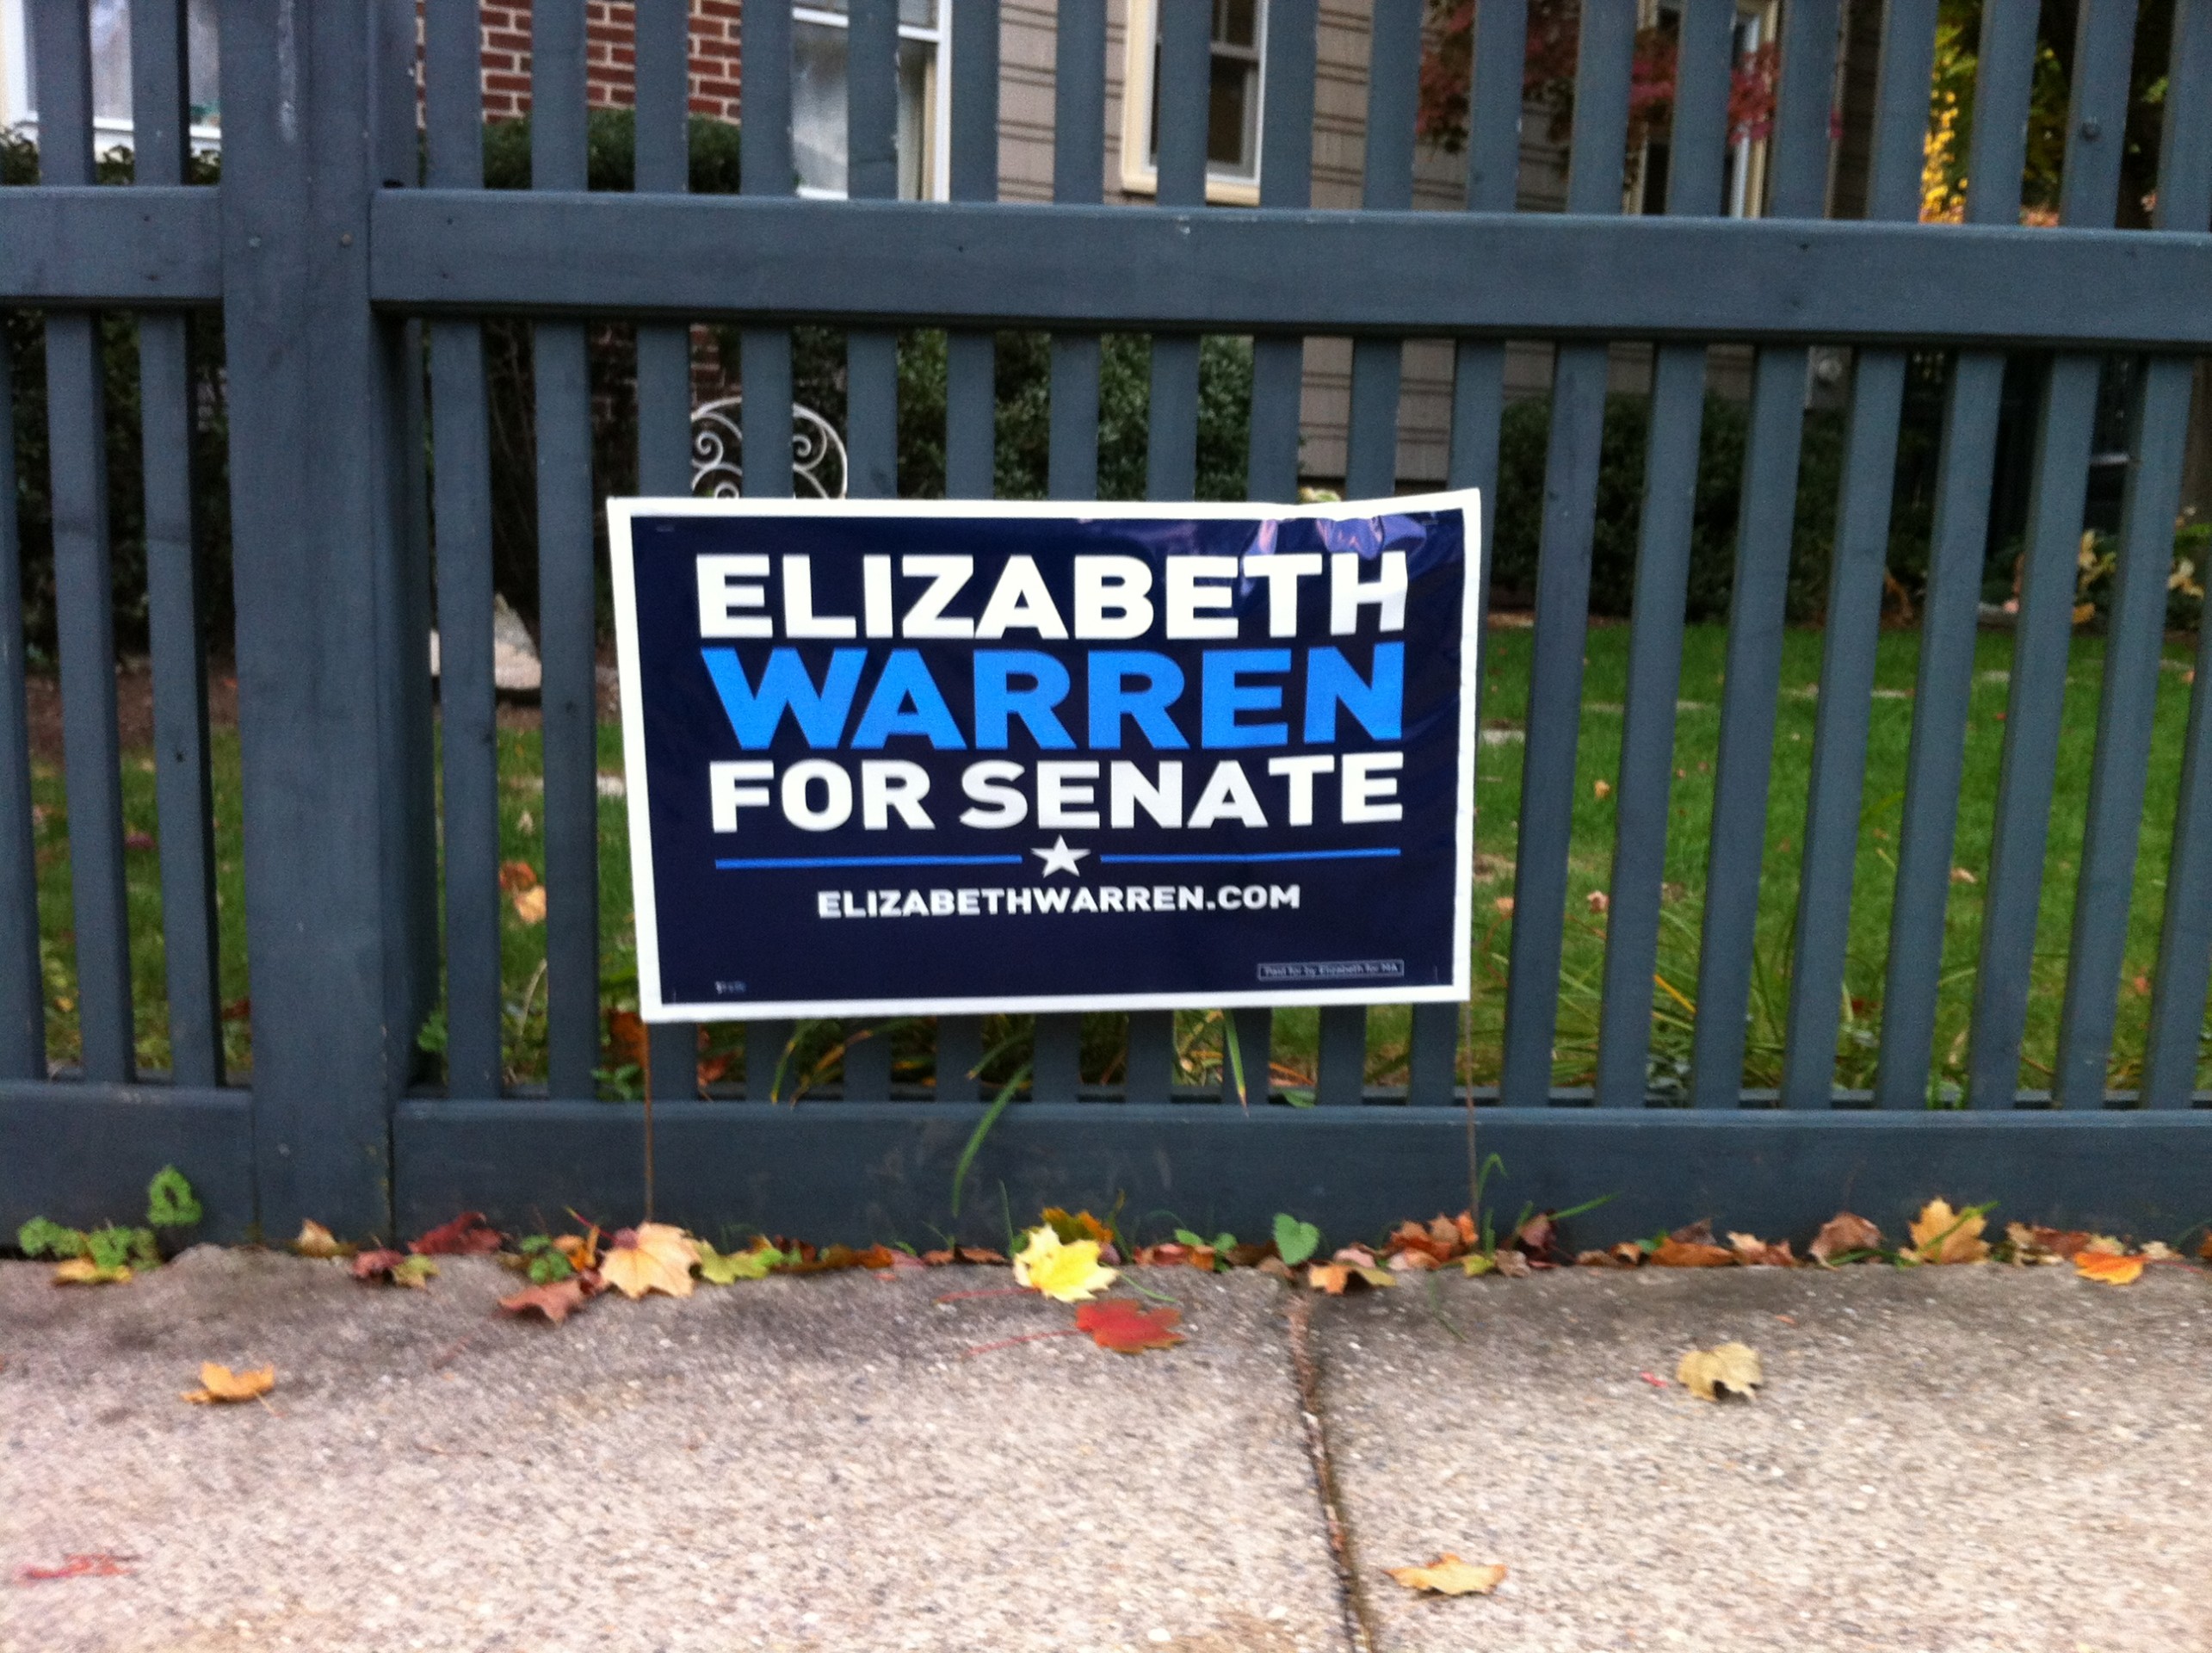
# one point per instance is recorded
(912, 14)
(206, 91)
(111, 59)
(1229, 117)
(1236, 22)
(818, 106)
(916, 119)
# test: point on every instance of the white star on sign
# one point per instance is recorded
(1060, 858)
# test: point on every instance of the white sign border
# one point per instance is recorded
(651, 1008)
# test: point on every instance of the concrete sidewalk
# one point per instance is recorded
(1942, 1459)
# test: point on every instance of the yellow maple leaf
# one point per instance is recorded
(530, 904)
(220, 1384)
(82, 1271)
(1449, 1575)
(1941, 1234)
(316, 1241)
(1065, 1271)
(1732, 1366)
(2105, 1267)
(660, 1259)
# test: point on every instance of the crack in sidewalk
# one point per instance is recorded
(1306, 1368)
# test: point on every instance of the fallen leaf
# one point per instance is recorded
(1334, 1279)
(101, 1565)
(1065, 1272)
(316, 1241)
(2103, 1265)
(1732, 1367)
(1671, 1253)
(1079, 1225)
(1941, 1234)
(652, 1257)
(1358, 1256)
(1841, 1234)
(1601, 788)
(1511, 1264)
(626, 1039)
(1126, 1326)
(515, 876)
(556, 1301)
(1449, 1575)
(1476, 1263)
(530, 905)
(82, 1271)
(2157, 1251)
(1598, 1260)
(1276, 1267)
(878, 1257)
(2204, 1249)
(1962, 875)
(369, 1265)
(466, 1235)
(1653, 1379)
(1759, 1253)
(1412, 1262)
(582, 1250)
(220, 1383)
(728, 1268)
(2034, 1244)
(1600, 902)
(417, 1273)
(1504, 905)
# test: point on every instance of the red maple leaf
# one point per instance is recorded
(465, 1235)
(1128, 1328)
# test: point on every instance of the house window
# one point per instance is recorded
(111, 72)
(1743, 175)
(1233, 100)
(818, 98)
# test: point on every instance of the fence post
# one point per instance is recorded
(319, 540)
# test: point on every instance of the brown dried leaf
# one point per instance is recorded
(1449, 1575)
(1843, 1233)
(221, 1384)
(2032, 1244)
(1334, 1277)
(556, 1301)
(1759, 1253)
(1511, 1264)
(515, 876)
(1733, 1367)
(1671, 1253)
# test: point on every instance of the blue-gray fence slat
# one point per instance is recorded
(1644, 791)
(1580, 374)
(664, 164)
(1080, 269)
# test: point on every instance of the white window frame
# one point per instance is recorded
(1755, 26)
(1138, 175)
(19, 105)
(940, 93)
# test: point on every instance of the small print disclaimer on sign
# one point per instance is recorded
(1337, 969)
(890, 757)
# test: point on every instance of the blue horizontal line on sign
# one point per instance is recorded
(1270, 855)
(779, 862)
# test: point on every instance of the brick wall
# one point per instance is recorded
(610, 73)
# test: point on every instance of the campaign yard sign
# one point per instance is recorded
(901, 756)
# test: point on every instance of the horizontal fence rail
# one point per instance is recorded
(382, 307)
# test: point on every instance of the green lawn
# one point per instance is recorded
(814, 1060)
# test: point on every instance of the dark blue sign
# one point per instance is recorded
(895, 757)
